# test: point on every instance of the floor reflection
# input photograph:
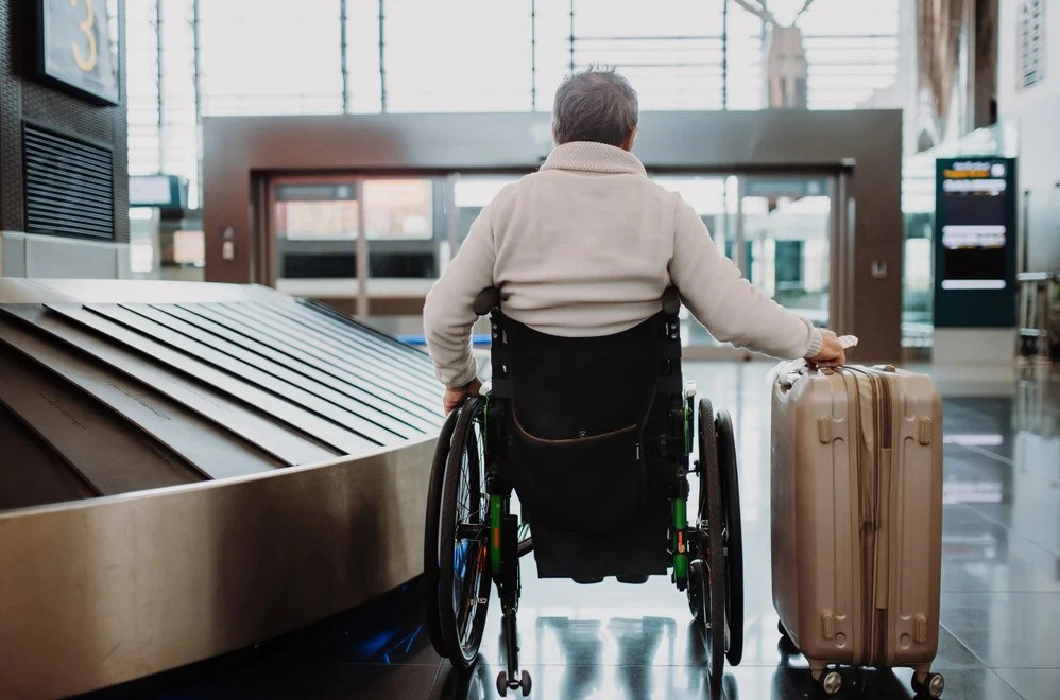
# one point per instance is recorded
(1000, 601)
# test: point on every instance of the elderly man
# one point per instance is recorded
(587, 245)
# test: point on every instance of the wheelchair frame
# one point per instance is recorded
(705, 558)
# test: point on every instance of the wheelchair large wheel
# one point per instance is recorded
(431, 568)
(463, 591)
(733, 536)
(709, 564)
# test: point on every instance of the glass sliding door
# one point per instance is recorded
(779, 230)
(404, 234)
(714, 197)
(349, 239)
(786, 224)
(372, 245)
(470, 194)
(315, 227)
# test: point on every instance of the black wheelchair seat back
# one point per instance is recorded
(594, 436)
(579, 409)
(588, 431)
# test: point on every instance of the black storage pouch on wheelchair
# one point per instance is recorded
(580, 405)
(586, 484)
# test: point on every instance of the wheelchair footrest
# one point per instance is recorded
(588, 579)
(633, 579)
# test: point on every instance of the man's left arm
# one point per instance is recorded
(449, 313)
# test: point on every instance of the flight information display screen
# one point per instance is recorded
(975, 242)
(974, 219)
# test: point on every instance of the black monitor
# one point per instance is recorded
(975, 241)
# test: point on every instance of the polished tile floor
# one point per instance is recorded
(1000, 601)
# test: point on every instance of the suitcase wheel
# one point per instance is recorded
(931, 687)
(831, 683)
(829, 680)
(786, 646)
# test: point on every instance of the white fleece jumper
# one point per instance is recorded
(587, 246)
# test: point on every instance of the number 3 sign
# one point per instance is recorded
(88, 28)
(76, 49)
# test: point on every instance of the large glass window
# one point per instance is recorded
(671, 53)
(851, 51)
(363, 79)
(141, 74)
(181, 149)
(269, 57)
(455, 56)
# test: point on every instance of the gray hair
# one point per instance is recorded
(596, 104)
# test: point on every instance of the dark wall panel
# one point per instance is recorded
(25, 101)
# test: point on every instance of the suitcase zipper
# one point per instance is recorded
(883, 534)
(873, 569)
(869, 511)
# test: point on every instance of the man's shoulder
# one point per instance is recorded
(663, 193)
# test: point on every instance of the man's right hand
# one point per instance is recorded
(832, 353)
(454, 396)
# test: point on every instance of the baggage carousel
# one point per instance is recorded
(189, 469)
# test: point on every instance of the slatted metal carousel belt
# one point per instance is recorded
(209, 447)
(284, 366)
(32, 473)
(305, 352)
(385, 371)
(403, 350)
(251, 425)
(223, 355)
(110, 456)
(294, 415)
(414, 363)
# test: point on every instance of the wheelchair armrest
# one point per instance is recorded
(671, 301)
(487, 300)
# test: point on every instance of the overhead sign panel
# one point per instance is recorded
(77, 47)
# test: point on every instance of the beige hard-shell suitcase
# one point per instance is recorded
(857, 518)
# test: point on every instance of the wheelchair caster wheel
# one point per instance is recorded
(503, 685)
(786, 650)
(786, 645)
(831, 683)
(931, 687)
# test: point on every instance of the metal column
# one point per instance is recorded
(362, 255)
(842, 286)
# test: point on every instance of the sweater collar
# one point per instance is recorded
(593, 157)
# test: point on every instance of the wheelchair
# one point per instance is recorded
(593, 436)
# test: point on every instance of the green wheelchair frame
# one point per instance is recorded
(473, 540)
